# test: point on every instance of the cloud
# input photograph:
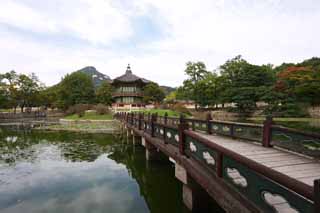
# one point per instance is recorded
(156, 37)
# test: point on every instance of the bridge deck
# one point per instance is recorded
(291, 164)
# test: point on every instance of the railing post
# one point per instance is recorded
(316, 198)
(140, 121)
(166, 118)
(219, 164)
(153, 120)
(267, 132)
(183, 125)
(132, 116)
(209, 124)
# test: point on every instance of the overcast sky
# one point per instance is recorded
(157, 37)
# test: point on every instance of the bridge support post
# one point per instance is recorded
(194, 197)
(152, 154)
(136, 139)
(143, 141)
(316, 199)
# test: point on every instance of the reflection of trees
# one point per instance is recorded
(16, 146)
(156, 181)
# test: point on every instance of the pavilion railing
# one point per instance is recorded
(270, 190)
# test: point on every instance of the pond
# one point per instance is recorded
(67, 172)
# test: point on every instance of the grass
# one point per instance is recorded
(90, 116)
(162, 112)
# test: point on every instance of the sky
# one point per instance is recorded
(53, 38)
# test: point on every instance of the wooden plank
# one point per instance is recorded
(302, 166)
(285, 159)
(304, 174)
(276, 155)
(285, 163)
(308, 180)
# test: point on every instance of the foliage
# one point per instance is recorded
(76, 88)
(21, 90)
(153, 93)
(104, 94)
(192, 89)
(180, 108)
(246, 83)
(102, 109)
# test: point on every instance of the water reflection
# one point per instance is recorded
(63, 172)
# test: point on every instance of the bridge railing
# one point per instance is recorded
(270, 190)
(296, 140)
(268, 134)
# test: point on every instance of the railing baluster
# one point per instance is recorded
(267, 132)
(219, 164)
(209, 125)
(153, 120)
(183, 125)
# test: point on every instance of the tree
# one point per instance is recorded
(246, 83)
(28, 90)
(12, 89)
(153, 93)
(301, 83)
(3, 93)
(196, 71)
(104, 94)
(76, 88)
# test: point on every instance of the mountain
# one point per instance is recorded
(97, 77)
(167, 89)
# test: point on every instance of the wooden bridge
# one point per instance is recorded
(243, 167)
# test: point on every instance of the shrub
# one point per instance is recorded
(178, 107)
(289, 109)
(102, 109)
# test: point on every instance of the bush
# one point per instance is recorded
(178, 107)
(287, 110)
(78, 109)
(102, 109)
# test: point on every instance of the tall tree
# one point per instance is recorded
(246, 83)
(104, 94)
(153, 93)
(196, 72)
(76, 88)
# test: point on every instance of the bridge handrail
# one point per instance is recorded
(293, 184)
(268, 133)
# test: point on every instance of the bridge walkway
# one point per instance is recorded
(300, 167)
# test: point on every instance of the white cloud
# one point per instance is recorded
(271, 31)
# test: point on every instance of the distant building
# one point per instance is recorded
(128, 90)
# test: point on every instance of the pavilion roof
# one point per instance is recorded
(130, 77)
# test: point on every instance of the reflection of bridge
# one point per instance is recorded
(226, 159)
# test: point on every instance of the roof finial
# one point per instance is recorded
(128, 69)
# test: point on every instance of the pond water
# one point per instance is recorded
(67, 172)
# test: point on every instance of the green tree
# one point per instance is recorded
(246, 83)
(76, 88)
(104, 94)
(3, 93)
(153, 93)
(28, 90)
(196, 72)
